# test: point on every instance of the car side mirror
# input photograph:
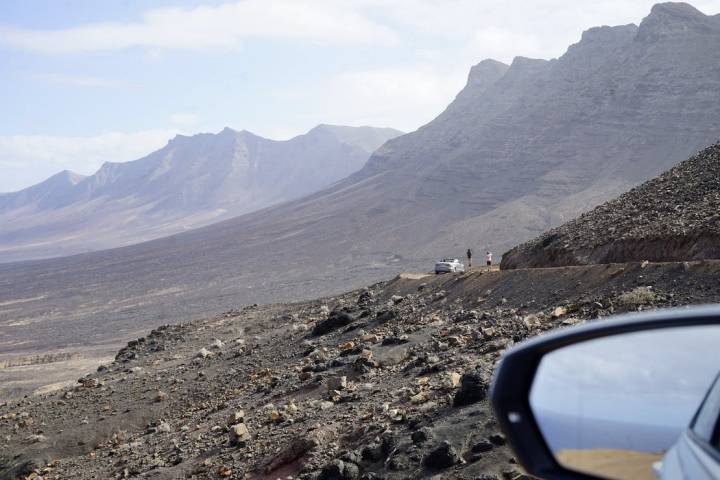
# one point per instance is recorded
(636, 397)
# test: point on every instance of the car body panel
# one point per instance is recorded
(449, 265)
(687, 460)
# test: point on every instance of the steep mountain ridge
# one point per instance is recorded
(192, 181)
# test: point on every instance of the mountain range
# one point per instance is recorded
(523, 147)
(191, 182)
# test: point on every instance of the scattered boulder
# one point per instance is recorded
(339, 470)
(482, 446)
(236, 417)
(442, 456)
(203, 353)
(239, 434)
(421, 436)
(497, 439)
(336, 383)
(472, 389)
(336, 319)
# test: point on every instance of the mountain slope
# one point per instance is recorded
(673, 217)
(522, 148)
(190, 182)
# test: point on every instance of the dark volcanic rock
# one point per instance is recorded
(442, 456)
(673, 217)
(339, 470)
(472, 389)
(336, 319)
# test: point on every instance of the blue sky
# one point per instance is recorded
(86, 81)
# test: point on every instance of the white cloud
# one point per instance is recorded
(83, 81)
(401, 97)
(29, 159)
(209, 27)
(184, 119)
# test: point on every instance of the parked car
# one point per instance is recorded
(449, 265)
(636, 397)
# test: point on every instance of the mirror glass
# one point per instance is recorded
(614, 406)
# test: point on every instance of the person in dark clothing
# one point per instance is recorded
(488, 258)
(469, 255)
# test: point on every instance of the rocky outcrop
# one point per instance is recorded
(673, 217)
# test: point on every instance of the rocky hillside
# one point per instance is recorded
(675, 216)
(192, 181)
(385, 382)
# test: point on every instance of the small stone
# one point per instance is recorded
(336, 383)
(347, 346)
(418, 398)
(472, 389)
(482, 446)
(453, 379)
(239, 434)
(372, 452)
(559, 312)
(36, 438)
(441, 457)
(488, 332)
(238, 416)
(160, 396)
(90, 383)
(421, 436)
(224, 471)
(163, 427)
(370, 338)
(203, 353)
(531, 321)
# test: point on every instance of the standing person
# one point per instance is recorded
(488, 258)
(469, 255)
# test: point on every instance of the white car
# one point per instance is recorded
(449, 265)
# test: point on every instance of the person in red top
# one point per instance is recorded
(488, 258)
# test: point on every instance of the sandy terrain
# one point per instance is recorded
(611, 463)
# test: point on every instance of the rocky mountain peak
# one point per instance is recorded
(675, 10)
(66, 177)
(486, 73)
(676, 19)
(606, 34)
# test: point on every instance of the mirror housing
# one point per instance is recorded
(515, 372)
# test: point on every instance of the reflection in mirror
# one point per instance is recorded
(614, 406)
